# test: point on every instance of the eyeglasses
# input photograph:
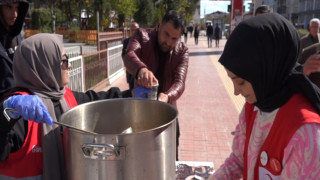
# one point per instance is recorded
(65, 62)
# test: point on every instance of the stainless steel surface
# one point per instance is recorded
(68, 126)
(148, 152)
(5, 113)
(6, 110)
(103, 151)
(154, 94)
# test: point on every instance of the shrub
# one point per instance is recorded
(41, 19)
(303, 32)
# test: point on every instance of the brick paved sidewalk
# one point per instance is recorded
(208, 110)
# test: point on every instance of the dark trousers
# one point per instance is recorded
(177, 138)
(130, 80)
(209, 40)
(217, 42)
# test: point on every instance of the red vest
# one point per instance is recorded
(290, 117)
(27, 161)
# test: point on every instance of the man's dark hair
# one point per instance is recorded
(174, 17)
(262, 9)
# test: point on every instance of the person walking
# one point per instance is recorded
(217, 35)
(278, 132)
(12, 15)
(191, 30)
(310, 60)
(196, 34)
(185, 34)
(133, 27)
(310, 45)
(209, 35)
(313, 36)
(156, 56)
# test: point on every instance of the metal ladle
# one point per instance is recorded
(55, 122)
(126, 131)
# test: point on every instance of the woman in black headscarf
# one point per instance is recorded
(278, 135)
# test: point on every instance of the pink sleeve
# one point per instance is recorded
(233, 165)
(302, 155)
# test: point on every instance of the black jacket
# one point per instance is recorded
(9, 39)
(209, 30)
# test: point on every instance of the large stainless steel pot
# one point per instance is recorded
(148, 152)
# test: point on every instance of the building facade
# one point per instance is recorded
(308, 9)
(299, 12)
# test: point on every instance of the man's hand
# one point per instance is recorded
(163, 97)
(311, 65)
(146, 78)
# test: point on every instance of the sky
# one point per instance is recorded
(213, 6)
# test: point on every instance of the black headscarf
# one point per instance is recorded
(264, 50)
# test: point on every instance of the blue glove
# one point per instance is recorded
(141, 92)
(30, 107)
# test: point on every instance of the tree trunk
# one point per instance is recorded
(53, 13)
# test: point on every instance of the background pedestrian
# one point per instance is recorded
(209, 35)
(12, 15)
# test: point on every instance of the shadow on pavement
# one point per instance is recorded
(205, 53)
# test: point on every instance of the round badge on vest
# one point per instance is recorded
(275, 165)
(264, 158)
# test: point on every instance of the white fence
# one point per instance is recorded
(76, 79)
(115, 63)
(76, 73)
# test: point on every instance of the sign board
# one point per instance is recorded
(236, 13)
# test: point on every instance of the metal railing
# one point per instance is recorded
(115, 63)
(91, 67)
(76, 78)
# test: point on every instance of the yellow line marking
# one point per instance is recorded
(239, 100)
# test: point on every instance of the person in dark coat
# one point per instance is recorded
(310, 58)
(12, 15)
(209, 35)
(217, 34)
(130, 79)
(196, 34)
(314, 35)
(185, 34)
(191, 30)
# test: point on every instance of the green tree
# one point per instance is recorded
(187, 9)
(145, 14)
(159, 12)
(41, 19)
(124, 9)
(104, 8)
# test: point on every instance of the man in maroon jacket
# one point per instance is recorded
(156, 56)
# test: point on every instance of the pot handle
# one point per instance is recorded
(103, 151)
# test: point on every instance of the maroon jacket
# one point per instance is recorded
(143, 51)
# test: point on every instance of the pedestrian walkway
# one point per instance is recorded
(208, 110)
